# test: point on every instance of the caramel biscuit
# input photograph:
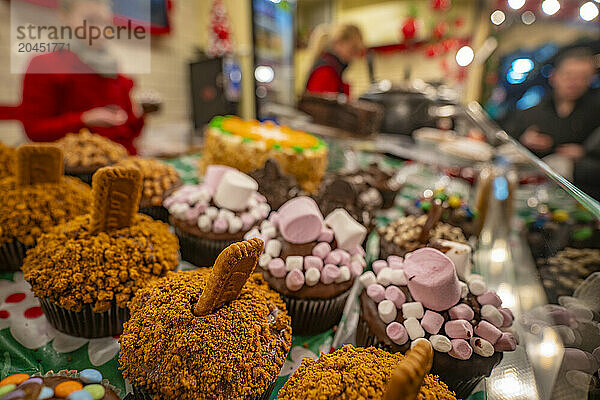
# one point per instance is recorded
(408, 376)
(116, 194)
(229, 274)
(433, 217)
(39, 163)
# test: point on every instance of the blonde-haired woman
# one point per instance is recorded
(332, 51)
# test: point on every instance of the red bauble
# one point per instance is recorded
(431, 51)
(440, 30)
(409, 28)
(449, 44)
(440, 5)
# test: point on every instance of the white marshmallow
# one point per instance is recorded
(201, 195)
(482, 347)
(179, 210)
(460, 254)
(252, 202)
(263, 260)
(464, 289)
(440, 343)
(205, 223)
(269, 232)
(273, 248)
(413, 310)
(398, 277)
(294, 262)
(581, 312)
(252, 233)
(234, 190)
(211, 212)
(265, 209)
(387, 311)
(477, 286)
(384, 277)
(348, 233)
(265, 224)
(235, 225)
(256, 213)
(492, 315)
(225, 214)
(367, 279)
(312, 276)
(414, 342)
(413, 327)
(344, 274)
(360, 259)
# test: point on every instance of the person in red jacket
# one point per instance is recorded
(333, 51)
(65, 91)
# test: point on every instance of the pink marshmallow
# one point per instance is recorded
(356, 268)
(345, 256)
(326, 235)
(376, 292)
(277, 267)
(489, 297)
(432, 322)
(220, 225)
(461, 311)
(192, 215)
(461, 349)
(260, 198)
(395, 295)
(247, 221)
(334, 258)
(300, 220)
(294, 280)
(432, 279)
(321, 250)
(506, 342)
(488, 331)
(313, 262)
(508, 317)
(274, 219)
(459, 329)
(329, 274)
(378, 266)
(213, 176)
(395, 262)
(357, 250)
(397, 333)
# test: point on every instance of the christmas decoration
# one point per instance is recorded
(409, 28)
(440, 5)
(440, 30)
(220, 31)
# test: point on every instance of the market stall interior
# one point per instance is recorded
(279, 199)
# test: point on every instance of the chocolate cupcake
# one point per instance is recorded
(87, 152)
(188, 338)
(38, 198)
(359, 373)
(8, 157)
(159, 181)
(84, 385)
(311, 261)
(86, 271)
(209, 217)
(276, 186)
(421, 297)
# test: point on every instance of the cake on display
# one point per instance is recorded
(7, 160)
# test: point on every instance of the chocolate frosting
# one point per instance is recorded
(194, 230)
(319, 291)
(276, 186)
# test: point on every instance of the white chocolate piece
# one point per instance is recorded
(252, 234)
(477, 286)
(492, 315)
(482, 347)
(205, 223)
(211, 212)
(234, 190)
(413, 310)
(269, 232)
(413, 327)
(387, 311)
(312, 276)
(440, 343)
(263, 261)
(273, 248)
(414, 342)
(348, 233)
(367, 279)
(235, 225)
(294, 262)
(345, 274)
(398, 277)
(464, 289)
(384, 277)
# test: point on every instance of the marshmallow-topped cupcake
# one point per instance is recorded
(311, 261)
(422, 297)
(209, 217)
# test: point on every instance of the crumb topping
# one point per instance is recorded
(71, 266)
(28, 211)
(353, 373)
(87, 150)
(157, 176)
(7, 161)
(233, 353)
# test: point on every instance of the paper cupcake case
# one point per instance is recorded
(159, 213)
(312, 316)
(86, 323)
(12, 255)
(198, 251)
(141, 394)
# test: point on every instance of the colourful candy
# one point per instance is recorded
(7, 388)
(46, 393)
(15, 394)
(97, 391)
(80, 395)
(91, 375)
(16, 379)
(65, 388)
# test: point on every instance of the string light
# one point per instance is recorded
(528, 17)
(464, 56)
(516, 4)
(588, 11)
(550, 7)
(497, 17)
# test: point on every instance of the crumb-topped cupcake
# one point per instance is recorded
(159, 180)
(360, 373)
(422, 297)
(87, 152)
(209, 217)
(85, 272)
(37, 198)
(312, 261)
(88, 384)
(188, 338)
(7, 161)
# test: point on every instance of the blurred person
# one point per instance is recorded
(332, 51)
(67, 90)
(562, 122)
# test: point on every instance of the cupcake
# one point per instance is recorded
(7, 161)
(86, 152)
(38, 198)
(86, 271)
(85, 385)
(209, 217)
(421, 297)
(159, 180)
(188, 338)
(311, 261)
(360, 373)
(276, 186)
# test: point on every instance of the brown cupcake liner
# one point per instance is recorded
(312, 316)
(159, 213)
(199, 251)
(12, 255)
(141, 394)
(86, 323)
